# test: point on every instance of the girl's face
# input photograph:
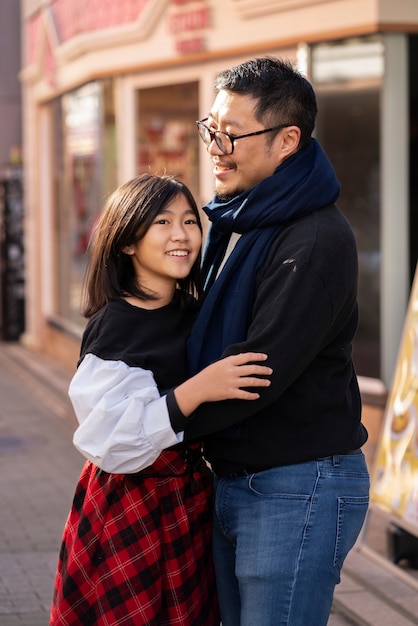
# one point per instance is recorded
(168, 249)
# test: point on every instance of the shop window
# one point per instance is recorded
(167, 139)
(347, 79)
(85, 173)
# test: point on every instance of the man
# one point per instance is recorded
(281, 277)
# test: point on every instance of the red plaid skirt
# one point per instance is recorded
(136, 549)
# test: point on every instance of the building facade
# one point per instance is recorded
(111, 89)
(10, 88)
(11, 203)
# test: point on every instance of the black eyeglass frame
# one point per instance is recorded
(213, 134)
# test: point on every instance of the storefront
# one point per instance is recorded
(114, 88)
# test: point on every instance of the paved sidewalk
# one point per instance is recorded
(38, 472)
(39, 468)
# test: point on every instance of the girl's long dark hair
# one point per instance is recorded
(126, 217)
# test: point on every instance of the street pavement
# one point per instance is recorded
(38, 472)
(39, 468)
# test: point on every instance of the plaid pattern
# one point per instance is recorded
(136, 550)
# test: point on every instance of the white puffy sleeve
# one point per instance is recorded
(124, 422)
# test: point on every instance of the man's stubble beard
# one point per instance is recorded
(226, 197)
(223, 197)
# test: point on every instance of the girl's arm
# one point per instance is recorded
(225, 379)
(125, 423)
(123, 420)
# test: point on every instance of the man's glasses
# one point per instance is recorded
(225, 141)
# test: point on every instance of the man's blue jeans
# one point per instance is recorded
(281, 537)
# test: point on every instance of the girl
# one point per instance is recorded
(136, 545)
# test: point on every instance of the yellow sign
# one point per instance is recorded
(395, 475)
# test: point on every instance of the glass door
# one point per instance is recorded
(167, 139)
(347, 78)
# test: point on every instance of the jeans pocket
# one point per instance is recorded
(351, 515)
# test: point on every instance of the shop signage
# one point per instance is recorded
(187, 22)
(395, 479)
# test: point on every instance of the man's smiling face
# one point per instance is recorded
(254, 158)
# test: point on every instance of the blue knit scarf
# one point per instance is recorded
(303, 183)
